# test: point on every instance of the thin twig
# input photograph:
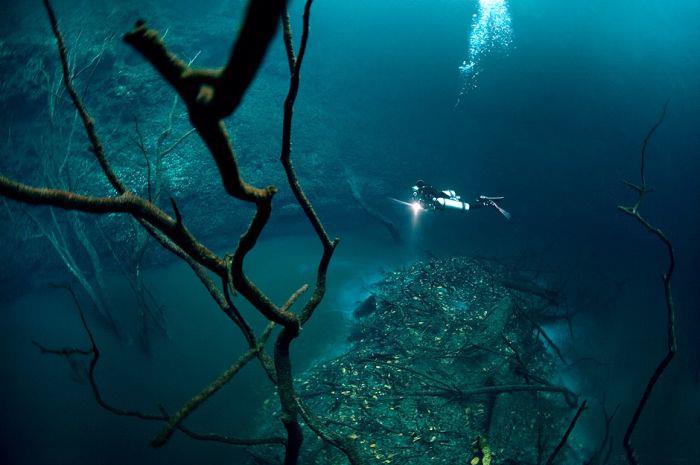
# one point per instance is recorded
(63, 351)
(87, 120)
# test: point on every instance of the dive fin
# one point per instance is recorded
(498, 207)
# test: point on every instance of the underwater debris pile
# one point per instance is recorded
(444, 366)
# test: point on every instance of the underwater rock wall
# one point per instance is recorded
(443, 367)
(44, 145)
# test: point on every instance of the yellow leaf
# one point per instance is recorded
(486, 450)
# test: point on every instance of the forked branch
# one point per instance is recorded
(126, 202)
(211, 95)
(172, 422)
(671, 345)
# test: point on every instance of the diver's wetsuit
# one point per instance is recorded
(426, 191)
(428, 197)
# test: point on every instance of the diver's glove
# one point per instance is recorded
(486, 201)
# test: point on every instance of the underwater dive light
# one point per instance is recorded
(416, 207)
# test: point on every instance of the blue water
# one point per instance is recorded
(541, 101)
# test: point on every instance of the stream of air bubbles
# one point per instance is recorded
(491, 31)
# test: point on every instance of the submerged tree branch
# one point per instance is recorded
(285, 156)
(126, 202)
(287, 393)
(671, 345)
(316, 425)
(210, 95)
(166, 433)
(63, 351)
(88, 123)
(565, 438)
(94, 353)
(456, 393)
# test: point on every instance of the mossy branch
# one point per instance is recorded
(210, 96)
(127, 202)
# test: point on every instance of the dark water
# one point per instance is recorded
(554, 122)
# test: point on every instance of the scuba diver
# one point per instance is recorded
(426, 197)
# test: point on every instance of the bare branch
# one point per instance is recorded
(95, 353)
(642, 188)
(283, 365)
(222, 299)
(231, 440)
(599, 456)
(294, 297)
(88, 123)
(140, 143)
(175, 144)
(174, 421)
(670, 312)
(371, 211)
(259, 27)
(244, 285)
(126, 202)
(210, 96)
(63, 351)
(648, 137)
(285, 156)
(544, 334)
(463, 393)
(565, 438)
(316, 425)
(288, 40)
